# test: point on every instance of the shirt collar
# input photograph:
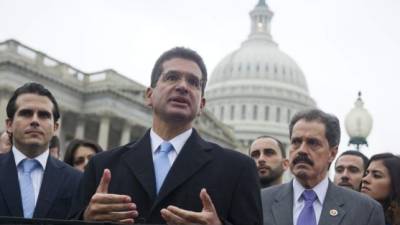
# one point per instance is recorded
(19, 156)
(177, 141)
(320, 189)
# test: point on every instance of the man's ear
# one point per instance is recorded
(9, 125)
(285, 164)
(149, 93)
(202, 105)
(56, 126)
(333, 151)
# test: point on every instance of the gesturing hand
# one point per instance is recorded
(110, 207)
(208, 215)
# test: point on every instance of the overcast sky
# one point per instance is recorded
(342, 46)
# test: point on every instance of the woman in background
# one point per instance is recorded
(382, 183)
(79, 152)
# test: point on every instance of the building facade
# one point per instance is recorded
(257, 88)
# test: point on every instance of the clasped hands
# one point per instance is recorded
(104, 206)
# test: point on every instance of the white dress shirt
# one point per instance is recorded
(177, 142)
(298, 202)
(37, 174)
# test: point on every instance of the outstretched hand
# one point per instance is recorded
(110, 207)
(208, 215)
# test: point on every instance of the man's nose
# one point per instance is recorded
(35, 120)
(345, 173)
(182, 85)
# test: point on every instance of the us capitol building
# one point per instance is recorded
(253, 91)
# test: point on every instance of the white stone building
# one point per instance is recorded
(257, 88)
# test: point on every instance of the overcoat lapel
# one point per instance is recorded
(333, 209)
(51, 182)
(282, 208)
(139, 159)
(193, 156)
(9, 185)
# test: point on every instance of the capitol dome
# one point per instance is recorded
(257, 88)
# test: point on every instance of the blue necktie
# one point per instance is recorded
(161, 163)
(307, 215)
(26, 186)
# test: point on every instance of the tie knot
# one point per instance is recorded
(28, 165)
(166, 147)
(309, 195)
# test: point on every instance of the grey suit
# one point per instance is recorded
(352, 207)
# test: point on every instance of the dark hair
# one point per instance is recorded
(31, 88)
(358, 154)
(280, 144)
(392, 164)
(54, 142)
(331, 122)
(74, 145)
(179, 52)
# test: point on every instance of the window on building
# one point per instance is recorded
(232, 112)
(255, 112)
(266, 113)
(221, 115)
(243, 112)
(278, 114)
(289, 115)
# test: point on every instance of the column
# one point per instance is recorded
(126, 134)
(3, 113)
(103, 132)
(80, 127)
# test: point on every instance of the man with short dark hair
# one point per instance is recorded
(350, 167)
(270, 157)
(32, 184)
(310, 198)
(171, 175)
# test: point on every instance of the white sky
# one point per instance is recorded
(342, 46)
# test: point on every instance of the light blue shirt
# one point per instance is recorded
(37, 174)
(177, 142)
(298, 202)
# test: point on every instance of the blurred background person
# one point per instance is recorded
(349, 169)
(5, 143)
(382, 183)
(270, 157)
(54, 147)
(79, 152)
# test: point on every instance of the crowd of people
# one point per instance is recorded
(172, 175)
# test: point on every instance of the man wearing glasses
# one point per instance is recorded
(171, 175)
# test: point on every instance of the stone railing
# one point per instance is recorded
(14, 50)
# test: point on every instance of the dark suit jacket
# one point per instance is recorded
(230, 178)
(60, 182)
(352, 207)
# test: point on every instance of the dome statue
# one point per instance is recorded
(257, 88)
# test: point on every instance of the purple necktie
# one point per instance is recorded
(307, 215)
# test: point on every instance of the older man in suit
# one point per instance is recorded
(171, 175)
(310, 198)
(32, 183)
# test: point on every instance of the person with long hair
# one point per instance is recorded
(382, 183)
(79, 152)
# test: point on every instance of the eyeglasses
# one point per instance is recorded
(176, 76)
